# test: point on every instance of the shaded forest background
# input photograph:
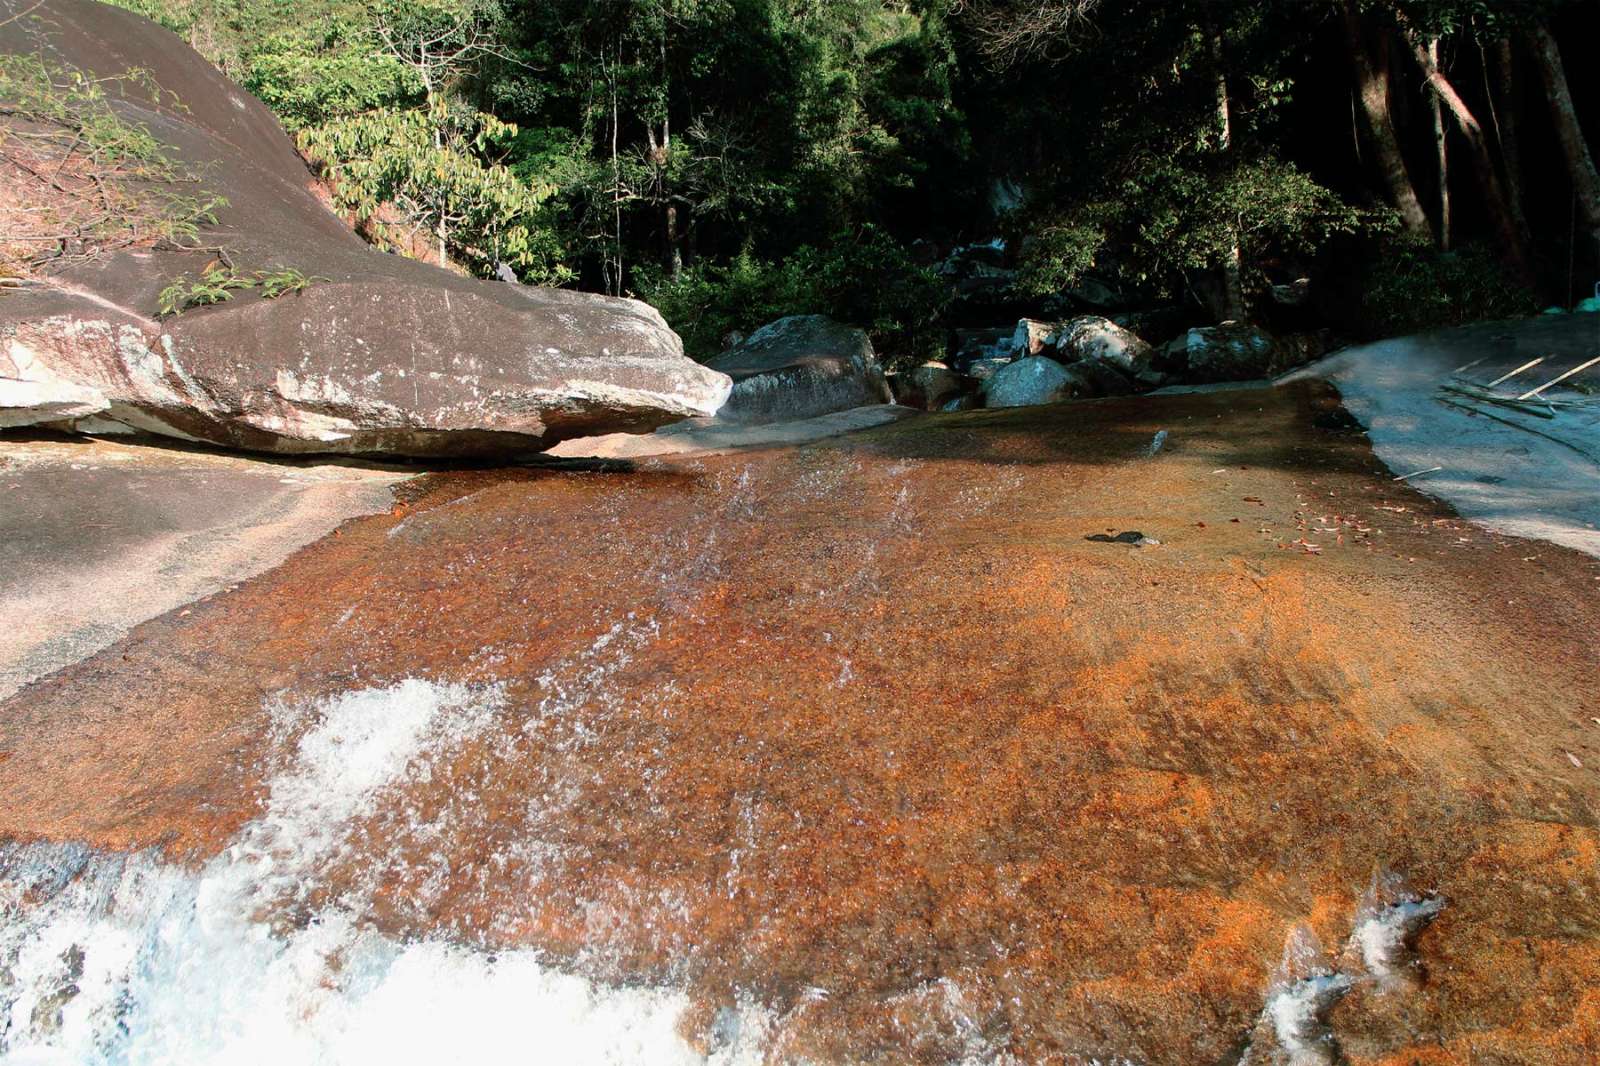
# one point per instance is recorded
(1422, 162)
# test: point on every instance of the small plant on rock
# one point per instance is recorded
(81, 179)
(274, 283)
(218, 282)
(214, 285)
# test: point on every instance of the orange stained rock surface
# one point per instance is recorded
(870, 734)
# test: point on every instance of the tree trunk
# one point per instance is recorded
(1513, 240)
(1234, 306)
(1442, 150)
(1507, 120)
(660, 159)
(674, 243)
(673, 250)
(1580, 164)
(616, 181)
(1372, 90)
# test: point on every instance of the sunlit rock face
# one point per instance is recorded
(856, 752)
(1100, 340)
(413, 366)
(378, 354)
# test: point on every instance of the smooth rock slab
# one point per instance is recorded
(871, 716)
(96, 536)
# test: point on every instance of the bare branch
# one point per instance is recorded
(1011, 32)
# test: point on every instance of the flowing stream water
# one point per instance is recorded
(131, 959)
(896, 750)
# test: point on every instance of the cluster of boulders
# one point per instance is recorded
(808, 365)
(1044, 361)
(385, 355)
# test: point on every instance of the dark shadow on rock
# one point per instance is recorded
(1297, 427)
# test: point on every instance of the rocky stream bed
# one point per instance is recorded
(882, 748)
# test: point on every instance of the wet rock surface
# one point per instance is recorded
(866, 733)
(714, 436)
(378, 354)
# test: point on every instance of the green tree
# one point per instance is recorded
(404, 172)
(437, 167)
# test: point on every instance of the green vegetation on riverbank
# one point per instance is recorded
(733, 160)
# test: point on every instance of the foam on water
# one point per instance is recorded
(1387, 924)
(1302, 993)
(130, 959)
(1298, 1010)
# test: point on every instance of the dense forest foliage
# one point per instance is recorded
(1422, 161)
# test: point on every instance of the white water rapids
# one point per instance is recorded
(129, 959)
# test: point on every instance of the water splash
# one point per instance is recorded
(1304, 991)
(1388, 921)
(130, 959)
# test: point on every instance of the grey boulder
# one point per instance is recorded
(1033, 380)
(928, 386)
(1229, 352)
(1035, 336)
(354, 367)
(800, 367)
(1094, 339)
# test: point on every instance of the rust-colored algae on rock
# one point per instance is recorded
(870, 734)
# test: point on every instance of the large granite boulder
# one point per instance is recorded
(800, 367)
(1034, 380)
(927, 387)
(1104, 379)
(408, 367)
(1035, 336)
(379, 354)
(1095, 339)
(1229, 352)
